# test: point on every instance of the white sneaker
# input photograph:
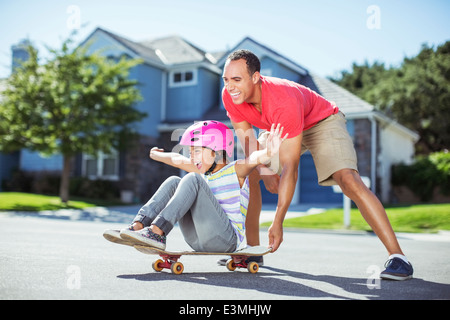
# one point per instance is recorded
(114, 236)
(144, 237)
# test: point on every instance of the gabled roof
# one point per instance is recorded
(344, 99)
(176, 50)
(261, 51)
(164, 52)
(148, 54)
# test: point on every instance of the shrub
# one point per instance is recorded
(48, 183)
(94, 189)
(424, 175)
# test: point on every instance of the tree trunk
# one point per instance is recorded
(65, 178)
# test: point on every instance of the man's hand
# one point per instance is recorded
(275, 236)
(273, 144)
(275, 139)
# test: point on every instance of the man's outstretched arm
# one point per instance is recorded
(289, 159)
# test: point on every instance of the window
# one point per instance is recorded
(103, 166)
(182, 78)
(177, 77)
(188, 76)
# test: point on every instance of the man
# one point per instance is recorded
(312, 123)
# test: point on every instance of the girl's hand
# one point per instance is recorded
(275, 139)
(153, 152)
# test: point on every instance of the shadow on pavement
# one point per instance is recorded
(290, 283)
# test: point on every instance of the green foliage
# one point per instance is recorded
(417, 93)
(361, 79)
(423, 176)
(73, 103)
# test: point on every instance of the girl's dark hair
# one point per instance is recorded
(253, 63)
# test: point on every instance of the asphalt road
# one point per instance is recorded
(59, 258)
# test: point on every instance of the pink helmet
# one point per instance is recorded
(210, 134)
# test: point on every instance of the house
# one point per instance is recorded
(181, 83)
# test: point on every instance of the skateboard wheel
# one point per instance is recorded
(231, 265)
(253, 267)
(177, 268)
(157, 265)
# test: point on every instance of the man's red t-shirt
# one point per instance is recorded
(296, 107)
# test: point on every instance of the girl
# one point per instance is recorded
(210, 202)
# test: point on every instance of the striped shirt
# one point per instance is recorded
(233, 199)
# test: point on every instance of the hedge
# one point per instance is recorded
(424, 175)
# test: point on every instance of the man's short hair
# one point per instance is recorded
(253, 63)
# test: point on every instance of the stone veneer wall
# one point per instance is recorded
(143, 175)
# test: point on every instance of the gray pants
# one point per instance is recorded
(190, 202)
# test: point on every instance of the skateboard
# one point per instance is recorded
(170, 258)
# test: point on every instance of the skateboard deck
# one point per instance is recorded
(238, 258)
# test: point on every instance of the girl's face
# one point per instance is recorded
(203, 158)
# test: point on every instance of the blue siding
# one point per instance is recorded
(183, 103)
(221, 85)
(279, 70)
(191, 102)
(8, 162)
(208, 84)
(33, 161)
(310, 190)
(150, 85)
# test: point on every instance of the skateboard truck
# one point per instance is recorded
(241, 262)
(171, 262)
(168, 262)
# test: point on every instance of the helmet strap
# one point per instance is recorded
(210, 170)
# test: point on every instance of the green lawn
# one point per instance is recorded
(414, 218)
(17, 201)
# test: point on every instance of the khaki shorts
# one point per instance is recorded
(330, 145)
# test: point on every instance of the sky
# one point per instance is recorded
(323, 36)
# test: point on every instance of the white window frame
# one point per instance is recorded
(183, 82)
(101, 157)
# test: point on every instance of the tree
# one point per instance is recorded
(417, 94)
(75, 102)
(362, 78)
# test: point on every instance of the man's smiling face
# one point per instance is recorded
(239, 83)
